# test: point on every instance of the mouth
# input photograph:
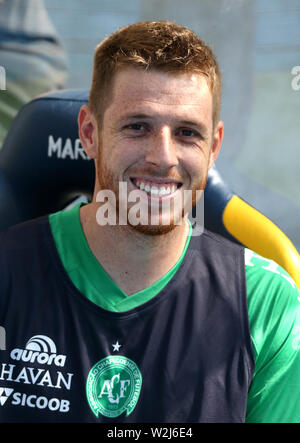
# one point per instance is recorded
(158, 188)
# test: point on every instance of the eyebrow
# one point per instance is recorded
(127, 116)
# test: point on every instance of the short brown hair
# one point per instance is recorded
(160, 45)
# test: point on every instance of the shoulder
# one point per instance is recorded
(272, 294)
(24, 251)
(220, 263)
(274, 317)
(20, 235)
(269, 286)
(215, 243)
(220, 256)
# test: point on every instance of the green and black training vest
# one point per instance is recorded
(184, 356)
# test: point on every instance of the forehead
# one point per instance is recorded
(135, 89)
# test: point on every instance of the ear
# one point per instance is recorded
(217, 141)
(88, 131)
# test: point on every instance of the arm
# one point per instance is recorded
(274, 316)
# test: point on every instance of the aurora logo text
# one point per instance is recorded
(40, 349)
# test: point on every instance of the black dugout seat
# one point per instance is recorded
(43, 169)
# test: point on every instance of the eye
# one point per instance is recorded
(135, 129)
(186, 132)
(138, 127)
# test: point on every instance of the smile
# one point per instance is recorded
(156, 189)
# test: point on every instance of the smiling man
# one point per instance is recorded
(150, 322)
(149, 140)
(157, 136)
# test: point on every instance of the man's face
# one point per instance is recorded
(157, 137)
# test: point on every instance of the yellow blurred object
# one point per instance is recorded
(257, 232)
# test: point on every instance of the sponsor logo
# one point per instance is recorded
(40, 349)
(4, 394)
(33, 401)
(65, 150)
(35, 376)
(113, 386)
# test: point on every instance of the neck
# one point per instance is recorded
(132, 259)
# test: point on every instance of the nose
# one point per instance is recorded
(161, 150)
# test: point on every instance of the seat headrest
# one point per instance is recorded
(42, 158)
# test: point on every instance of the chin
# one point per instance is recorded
(153, 230)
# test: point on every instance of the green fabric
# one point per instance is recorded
(86, 272)
(273, 306)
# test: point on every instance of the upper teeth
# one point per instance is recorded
(156, 190)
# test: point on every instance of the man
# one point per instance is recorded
(127, 317)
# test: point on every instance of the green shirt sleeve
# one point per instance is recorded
(274, 316)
